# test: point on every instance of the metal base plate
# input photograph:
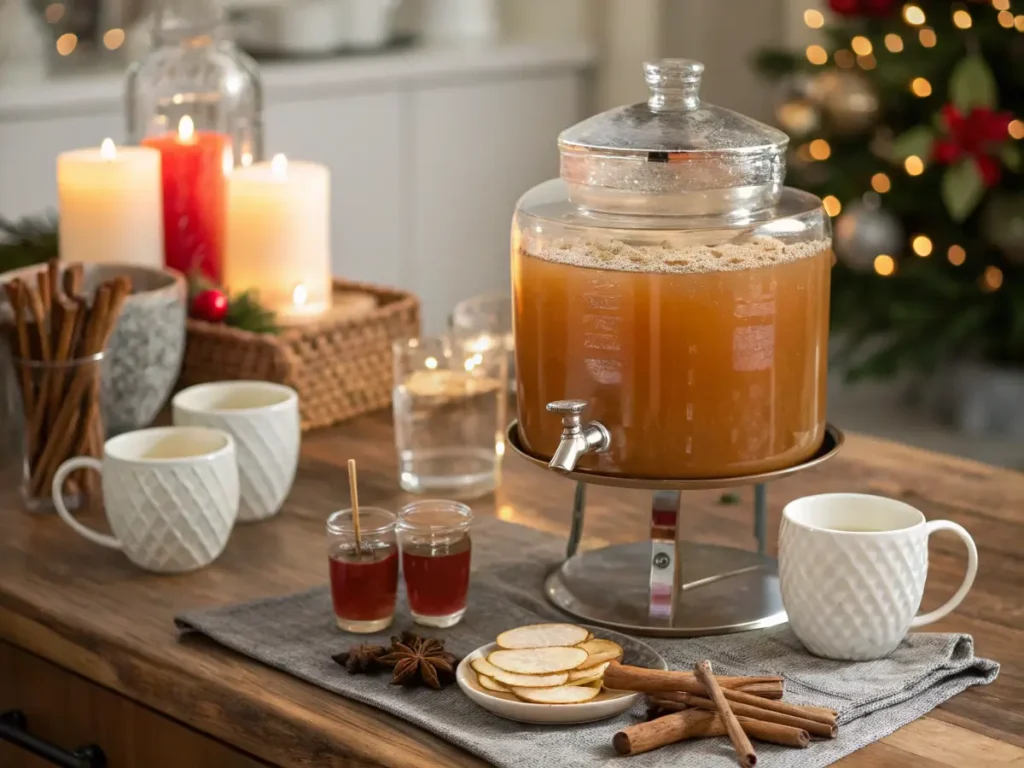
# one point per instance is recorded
(830, 446)
(610, 587)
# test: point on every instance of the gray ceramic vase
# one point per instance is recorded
(146, 348)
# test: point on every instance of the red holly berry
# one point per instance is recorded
(977, 135)
(210, 305)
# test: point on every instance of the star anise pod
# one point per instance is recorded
(361, 658)
(420, 660)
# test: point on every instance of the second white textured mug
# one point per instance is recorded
(264, 420)
(852, 568)
(170, 494)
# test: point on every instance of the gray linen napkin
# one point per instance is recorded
(296, 634)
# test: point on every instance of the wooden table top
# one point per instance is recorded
(89, 610)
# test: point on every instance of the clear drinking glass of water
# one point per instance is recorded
(450, 404)
(485, 322)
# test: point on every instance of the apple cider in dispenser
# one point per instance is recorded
(671, 282)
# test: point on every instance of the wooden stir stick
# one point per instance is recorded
(353, 489)
(744, 749)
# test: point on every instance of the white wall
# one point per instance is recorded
(724, 35)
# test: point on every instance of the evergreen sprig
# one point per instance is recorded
(27, 241)
(246, 312)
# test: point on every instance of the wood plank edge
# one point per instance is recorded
(114, 667)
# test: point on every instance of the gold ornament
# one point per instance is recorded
(847, 100)
(798, 117)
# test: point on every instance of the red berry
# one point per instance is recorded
(210, 305)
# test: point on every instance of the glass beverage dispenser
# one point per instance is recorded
(671, 304)
(671, 282)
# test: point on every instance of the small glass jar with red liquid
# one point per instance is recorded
(434, 535)
(364, 579)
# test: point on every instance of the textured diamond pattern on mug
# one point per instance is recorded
(175, 519)
(267, 449)
(864, 592)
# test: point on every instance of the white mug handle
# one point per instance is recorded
(965, 586)
(65, 469)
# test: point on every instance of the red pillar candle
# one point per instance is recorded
(194, 164)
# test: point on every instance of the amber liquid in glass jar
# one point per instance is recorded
(701, 361)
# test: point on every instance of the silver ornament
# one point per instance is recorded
(1002, 223)
(847, 99)
(864, 232)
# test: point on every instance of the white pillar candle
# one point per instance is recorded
(277, 238)
(111, 207)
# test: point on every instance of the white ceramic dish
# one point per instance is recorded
(606, 704)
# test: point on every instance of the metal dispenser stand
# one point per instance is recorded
(664, 586)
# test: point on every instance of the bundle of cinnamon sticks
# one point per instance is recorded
(699, 704)
(56, 335)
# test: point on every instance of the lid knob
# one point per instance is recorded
(674, 84)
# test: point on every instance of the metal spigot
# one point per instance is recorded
(577, 439)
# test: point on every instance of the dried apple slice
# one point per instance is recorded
(491, 684)
(538, 661)
(483, 667)
(542, 636)
(600, 651)
(562, 694)
(588, 673)
(599, 679)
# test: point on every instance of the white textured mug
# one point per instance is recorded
(852, 568)
(170, 493)
(264, 420)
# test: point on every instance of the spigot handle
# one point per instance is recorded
(575, 407)
(570, 410)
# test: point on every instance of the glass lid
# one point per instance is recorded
(673, 155)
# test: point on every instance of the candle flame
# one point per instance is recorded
(279, 166)
(300, 294)
(107, 149)
(186, 128)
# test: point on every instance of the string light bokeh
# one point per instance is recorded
(861, 52)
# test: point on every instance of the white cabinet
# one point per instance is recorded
(429, 149)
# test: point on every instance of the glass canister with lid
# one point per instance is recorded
(672, 283)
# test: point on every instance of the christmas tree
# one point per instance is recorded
(906, 118)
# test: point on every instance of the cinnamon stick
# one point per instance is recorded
(623, 677)
(81, 384)
(53, 285)
(52, 391)
(45, 295)
(745, 754)
(72, 280)
(698, 724)
(813, 727)
(15, 290)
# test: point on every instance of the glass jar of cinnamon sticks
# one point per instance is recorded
(57, 335)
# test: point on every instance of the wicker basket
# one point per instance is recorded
(341, 367)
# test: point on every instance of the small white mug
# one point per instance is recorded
(264, 420)
(170, 494)
(852, 568)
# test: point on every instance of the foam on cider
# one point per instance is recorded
(728, 257)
